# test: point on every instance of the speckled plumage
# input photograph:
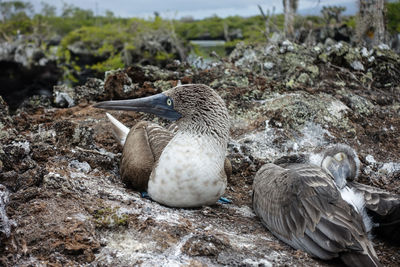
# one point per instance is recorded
(301, 205)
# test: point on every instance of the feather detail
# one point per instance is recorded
(301, 205)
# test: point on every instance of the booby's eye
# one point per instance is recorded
(339, 156)
(169, 102)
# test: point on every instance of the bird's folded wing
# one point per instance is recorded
(158, 137)
(302, 206)
(376, 199)
(143, 147)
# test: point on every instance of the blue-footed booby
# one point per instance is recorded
(382, 206)
(184, 165)
(301, 204)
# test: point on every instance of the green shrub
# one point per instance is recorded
(111, 63)
(18, 23)
(393, 17)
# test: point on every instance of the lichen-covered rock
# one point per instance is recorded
(360, 105)
(34, 103)
(163, 86)
(295, 109)
(149, 73)
(5, 119)
(24, 53)
(15, 156)
(286, 61)
(385, 68)
(118, 85)
(204, 245)
(92, 90)
(230, 79)
(61, 165)
(73, 134)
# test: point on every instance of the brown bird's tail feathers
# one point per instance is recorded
(367, 258)
(119, 130)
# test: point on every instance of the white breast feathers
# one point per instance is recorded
(189, 173)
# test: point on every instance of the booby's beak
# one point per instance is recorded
(159, 104)
(338, 167)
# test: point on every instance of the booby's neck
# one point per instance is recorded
(206, 126)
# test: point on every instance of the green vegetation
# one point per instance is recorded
(111, 63)
(109, 218)
(393, 16)
(101, 43)
(73, 22)
(15, 18)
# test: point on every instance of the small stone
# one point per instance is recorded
(81, 166)
(357, 65)
(268, 65)
(63, 99)
(303, 78)
(371, 59)
(370, 159)
(383, 47)
(365, 52)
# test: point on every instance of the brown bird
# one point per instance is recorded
(301, 204)
(183, 165)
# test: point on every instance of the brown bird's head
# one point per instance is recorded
(342, 162)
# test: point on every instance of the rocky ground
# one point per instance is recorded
(62, 202)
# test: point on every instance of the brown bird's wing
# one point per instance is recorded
(143, 147)
(301, 206)
(290, 159)
(384, 208)
(376, 199)
(173, 128)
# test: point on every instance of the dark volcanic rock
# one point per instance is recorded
(204, 245)
(65, 96)
(61, 165)
(5, 119)
(25, 70)
(72, 134)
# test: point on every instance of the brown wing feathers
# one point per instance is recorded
(377, 200)
(384, 208)
(158, 138)
(301, 206)
(143, 147)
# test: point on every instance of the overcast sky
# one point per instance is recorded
(196, 8)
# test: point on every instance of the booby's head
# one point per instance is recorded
(192, 105)
(342, 162)
(160, 105)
